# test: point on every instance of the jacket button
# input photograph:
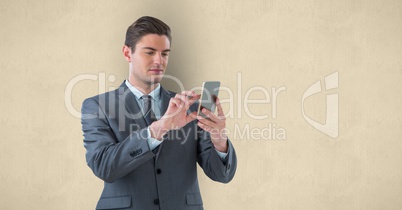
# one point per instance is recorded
(135, 153)
(158, 171)
(156, 201)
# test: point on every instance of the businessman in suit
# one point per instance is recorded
(145, 141)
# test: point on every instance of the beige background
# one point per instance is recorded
(44, 45)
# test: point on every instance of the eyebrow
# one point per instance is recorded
(150, 48)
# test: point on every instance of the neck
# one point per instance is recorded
(144, 88)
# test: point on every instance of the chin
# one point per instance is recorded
(155, 80)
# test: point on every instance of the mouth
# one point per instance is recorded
(156, 71)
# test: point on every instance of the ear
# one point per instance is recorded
(127, 53)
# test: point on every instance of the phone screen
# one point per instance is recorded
(209, 95)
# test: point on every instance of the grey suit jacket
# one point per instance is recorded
(115, 138)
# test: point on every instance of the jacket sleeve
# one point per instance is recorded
(211, 163)
(109, 158)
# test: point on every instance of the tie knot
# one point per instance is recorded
(146, 97)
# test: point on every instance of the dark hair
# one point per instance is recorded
(143, 26)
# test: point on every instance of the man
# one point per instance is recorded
(145, 141)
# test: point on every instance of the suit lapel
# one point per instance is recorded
(132, 111)
(165, 97)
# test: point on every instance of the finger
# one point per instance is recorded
(189, 98)
(173, 108)
(184, 99)
(219, 107)
(177, 102)
(209, 129)
(190, 117)
(204, 127)
(206, 121)
(188, 93)
(194, 98)
(211, 115)
(191, 95)
(193, 115)
(174, 101)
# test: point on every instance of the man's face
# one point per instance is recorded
(149, 60)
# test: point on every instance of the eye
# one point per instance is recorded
(149, 52)
(165, 54)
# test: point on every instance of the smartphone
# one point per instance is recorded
(209, 94)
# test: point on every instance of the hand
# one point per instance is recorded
(176, 115)
(215, 125)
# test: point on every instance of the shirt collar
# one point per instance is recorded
(156, 93)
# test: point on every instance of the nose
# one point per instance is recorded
(158, 59)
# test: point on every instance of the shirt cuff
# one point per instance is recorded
(222, 155)
(152, 143)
